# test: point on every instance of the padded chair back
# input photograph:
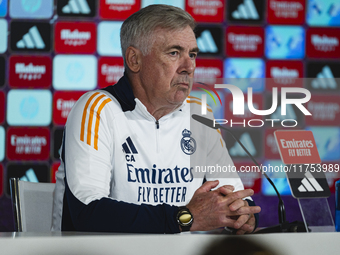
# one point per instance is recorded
(32, 205)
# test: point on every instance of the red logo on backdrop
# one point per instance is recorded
(62, 105)
(245, 41)
(251, 179)
(54, 169)
(325, 110)
(1, 179)
(28, 143)
(71, 37)
(208, 70)
(284, 74)
(286, 11)
(206, 10)
(110, 70)
(271, 150)
(30, 71)
(323, 43)
(297, 147)
(118, 9)
(248, 115)
(2, 106)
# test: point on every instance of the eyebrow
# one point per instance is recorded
(180, 48)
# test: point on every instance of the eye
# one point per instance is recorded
(173, 53)
(193, 55)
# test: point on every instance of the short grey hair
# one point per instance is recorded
(137, 29)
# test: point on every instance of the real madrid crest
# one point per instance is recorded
(188, 144)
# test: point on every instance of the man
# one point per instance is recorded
(128, 150)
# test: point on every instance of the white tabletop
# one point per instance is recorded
(186, 244)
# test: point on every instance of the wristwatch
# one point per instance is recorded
(184, 218)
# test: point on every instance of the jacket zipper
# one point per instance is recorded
(157, 136)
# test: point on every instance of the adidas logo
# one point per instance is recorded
(129, 147)
(29, 176)
(237, 150)
(206, 42)
(76, 6)
(324, 79)
(31, 40)
(247, 10)
(309, 184)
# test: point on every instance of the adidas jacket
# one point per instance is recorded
(123, 171)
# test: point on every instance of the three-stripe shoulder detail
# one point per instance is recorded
(198, 101)
(91, 118)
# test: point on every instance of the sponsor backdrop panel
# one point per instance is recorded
(77, 9)
(74, 72)
(30, 71)
(3, 8)
(3, 35)
(2, 143)
(286, 12)
(2, 71)
(73, 38)
(52, 52)
(108, 38)
(30, 36)
(30, 9)
(322, 76)
(29, 107)
(2, 106)
(28, 143)
(245, 11)
(1, 179)
(323, 13)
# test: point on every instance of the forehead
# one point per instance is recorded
(183, 37)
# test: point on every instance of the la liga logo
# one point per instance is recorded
(238, 106)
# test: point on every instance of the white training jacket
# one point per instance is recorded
(123, 171)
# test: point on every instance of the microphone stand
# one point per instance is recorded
(284, 225)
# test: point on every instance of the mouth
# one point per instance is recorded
(185, 85)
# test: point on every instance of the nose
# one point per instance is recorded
(188, 65)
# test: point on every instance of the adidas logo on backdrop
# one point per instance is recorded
(246, 11)
(29, 176)
(324, 79)
(209, 40)
(31, 40)
(206, 42)
(30, 36)
(323, 76)
(76, 8)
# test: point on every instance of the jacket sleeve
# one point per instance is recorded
(87, 155)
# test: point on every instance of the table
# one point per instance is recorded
(149, 244)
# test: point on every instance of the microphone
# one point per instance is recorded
(283, 226)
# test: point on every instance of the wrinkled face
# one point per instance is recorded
(167, 71)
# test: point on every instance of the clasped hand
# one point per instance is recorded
(222, 207)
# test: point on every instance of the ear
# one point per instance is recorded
(133, 59)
